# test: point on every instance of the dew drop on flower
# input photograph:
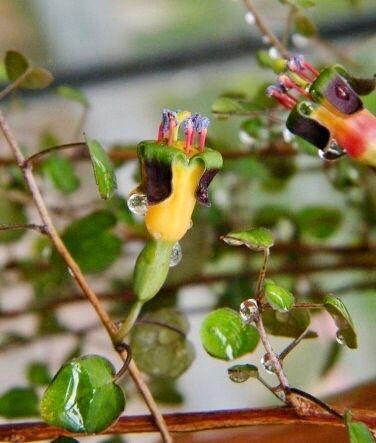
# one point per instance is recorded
(342, 92)
(332, 151)
(267, 364)
(340, 339)
(138, 204)
(249, 310)
(176, 255)
(250, 18)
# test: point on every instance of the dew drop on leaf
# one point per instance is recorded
(138, 204)
(340, 339)
(176, 255)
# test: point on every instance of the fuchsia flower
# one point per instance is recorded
(326, 109)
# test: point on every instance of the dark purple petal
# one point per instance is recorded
(157, 183)
(340, 94)
(309, 129)
(202, 188)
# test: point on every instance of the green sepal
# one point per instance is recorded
(318, 87)
(151, 269)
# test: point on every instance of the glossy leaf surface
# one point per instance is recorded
(257, 239)
(279, 298)
(103, 169)
(341, 316)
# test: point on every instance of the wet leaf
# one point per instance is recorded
(91, 243)
(103, 169)
(279, 298)
(73, 94)
(38, 374)
(358, 432)
(287, 324)
(242, 373)
(224, 335)
(19, 402)
(319, 221)
(159, 346)
(257, 239)
(11, 213)
(59, 170)
(341, 316)
(82, 396)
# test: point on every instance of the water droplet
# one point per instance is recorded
(250, 18)
(70, 272)
(176, 255)
(238, 375)
(190, 224)
(287, 135)
(340, 338)
(267, 364)
(249, 310)
(138, 203)
(332, 151)
(342, 92)
(274, 53)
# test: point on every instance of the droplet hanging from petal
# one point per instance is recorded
(176, 255)
(138, 204)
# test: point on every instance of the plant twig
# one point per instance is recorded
(39, 154)
(109, 325)
(190, 422)
(14, 85)
(264, 29)
(32, 226)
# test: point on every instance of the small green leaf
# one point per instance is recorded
(231, 106)
(103, 169)
(346, 332)
(278, 298)
(91, 243)
(38, 373)
(257, 239)
(159, 345)
(11, 213)
(82, 396)
(166, 391)
(224, 335)
(264, 60)
(60, 172)
(19, 402)
(304, 26)
(37, 78)
(73, 94)
(287, 324)
(358, 432)
(319, 221)
(15, 64)
(241, 373)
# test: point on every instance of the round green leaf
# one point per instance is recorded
(82, 396)
(37, 78)
(305, 26)
(224, 335)
(287, 324)
(278, 298)
(341, 316)
(60, 172)
(11, 213)
(103, 169)
(19, 402)
(319, 221)
(15, 64)
(159, 346)
(241, 373)
(257, 239)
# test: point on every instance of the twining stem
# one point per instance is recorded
(262, 274)
(129, 322)
(51, 231)
(264, 29)
(39, 154)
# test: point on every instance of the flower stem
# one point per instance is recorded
(129, 321)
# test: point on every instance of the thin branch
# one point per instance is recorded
(14, 85)
(289, 21)
(189, 422)
(264, 29)
(77, 273)
(39, 228)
